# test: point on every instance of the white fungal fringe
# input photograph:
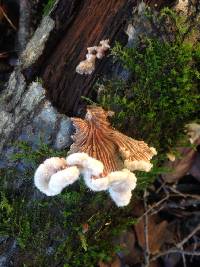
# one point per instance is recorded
(61, 179)
(46, 170)
(121, 183)
(53, 175)
(99, 184)
(122, 180)
(193, 131)
(86, 66)
(153, 150)
(94, 166)
(105, 44)
(121, 199)
(55, 163)
(139, 165)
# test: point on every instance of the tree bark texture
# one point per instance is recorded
(79, 24)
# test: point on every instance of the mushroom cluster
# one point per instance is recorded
(102, 155)
(87, 66)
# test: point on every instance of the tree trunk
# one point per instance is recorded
(79, 24)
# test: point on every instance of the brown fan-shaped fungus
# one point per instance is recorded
(104, 156)
(95, 136)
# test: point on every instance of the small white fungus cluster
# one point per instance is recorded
(193, 131)
(182, 6)
(87, 66)
(54, 174)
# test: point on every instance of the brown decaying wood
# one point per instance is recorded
(78, 24)
(94, 20)
(98, 139)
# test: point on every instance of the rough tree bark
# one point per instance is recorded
(78, 25)
(59, 43)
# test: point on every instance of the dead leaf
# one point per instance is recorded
(127, 241)
(85, 228)
(181, 165)
(157, 233)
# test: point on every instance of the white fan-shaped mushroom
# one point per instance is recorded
(98, 184)
(94, 166)
(121, 199)
(46, 170)
(87, 66)
(139, 165)
(121, 183)
(122, 180)
(61, 179)
(193, 131)
(53, 175)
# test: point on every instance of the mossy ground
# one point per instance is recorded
(75, 228)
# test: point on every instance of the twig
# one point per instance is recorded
(158, 210)
(163, 184)
(7, 18)
(182, 194)
(195, 245)
(183, 258)
(180, 244)
(171, 251)
(153, 207)
(3, 55)
(179, 247)
(183, 205)
(147, 252)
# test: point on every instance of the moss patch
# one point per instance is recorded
(162, 94)
(75, 228)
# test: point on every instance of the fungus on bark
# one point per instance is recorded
(118, 153)
(95, 136)
(53, 175)
(103, 156)
(87, 66)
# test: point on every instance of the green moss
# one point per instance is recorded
(51, 230)
(163, 94)
(48, 6)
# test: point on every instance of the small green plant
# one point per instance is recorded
(34, 157)
(48, 6)
(39, 80)
(162, 94)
